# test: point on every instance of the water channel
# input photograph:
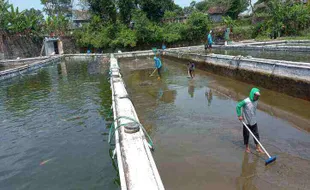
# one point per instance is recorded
(198, 138)
(53, 129)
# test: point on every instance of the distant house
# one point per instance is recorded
(216, 13)
(179, 19)
(80, 17)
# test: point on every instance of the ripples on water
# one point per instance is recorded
(51, 126)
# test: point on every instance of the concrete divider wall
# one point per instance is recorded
(9, 73)
(136, 165)
(86, 57)
(292, 78)
(283, 45)
(11, 62)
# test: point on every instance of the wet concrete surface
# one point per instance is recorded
(197, 136)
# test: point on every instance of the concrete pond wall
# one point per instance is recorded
(30, 66)
(283, 45)
(136, 165)
(292, 78)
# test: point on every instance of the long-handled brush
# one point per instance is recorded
(153, 72)
(270, 159)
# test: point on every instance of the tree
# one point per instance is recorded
(57, 25)
(126, 8)
(125, 37)
(202, 6)
(237, 6)
(105, 9)
(147, 31)
(57, 7)
(155, 9)
(4, 14)
(190, 9)
(170, 14)
(173, 32)
(197, 26)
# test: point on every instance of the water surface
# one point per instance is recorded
(53, 129)
(198, 138)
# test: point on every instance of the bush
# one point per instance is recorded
(285, 19)
(243, 32)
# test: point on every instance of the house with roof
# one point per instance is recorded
(80, 17)
(178, 19)
(216, 13)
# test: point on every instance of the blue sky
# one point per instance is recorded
(27, 4)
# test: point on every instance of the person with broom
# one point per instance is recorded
(158, 66)
(246, 111)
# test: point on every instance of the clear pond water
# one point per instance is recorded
(198, 138)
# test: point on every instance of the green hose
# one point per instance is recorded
(111, 132)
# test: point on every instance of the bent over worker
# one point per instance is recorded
(246, 110)
(158, 66)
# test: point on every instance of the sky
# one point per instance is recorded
(28, 4)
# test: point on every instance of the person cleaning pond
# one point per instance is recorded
(210, 41)
(158, 66)
(191, 70)
(246, 111)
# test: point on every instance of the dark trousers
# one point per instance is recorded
(159, 71)
(246, 133)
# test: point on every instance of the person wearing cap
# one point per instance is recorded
(246, 111)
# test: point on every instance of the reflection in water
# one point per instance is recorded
(191, 88)
(245, 181)
(18, 99)
(184, 128)
(56, 113)
(209, 96)
(160, 94)
(116, 180)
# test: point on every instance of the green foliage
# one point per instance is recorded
(197, 26)
(202, 6)
(243, 32)
(57, 7)
(105, 9)
(284, 19)
(14, 21)
(125, 37)
(174, 32)
(229, 22)
(236, 7)
(57, 25)
(146, 30)
(126, 8)
(155, 9)
(170, 14)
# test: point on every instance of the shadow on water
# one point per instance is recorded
(199, 139)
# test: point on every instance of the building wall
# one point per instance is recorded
(216, 17)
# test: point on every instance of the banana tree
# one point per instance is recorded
(4, 14)
(56, 24)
